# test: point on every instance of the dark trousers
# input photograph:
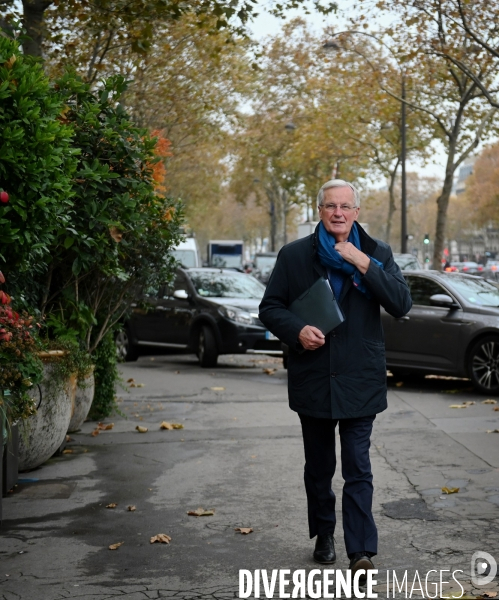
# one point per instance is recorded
(320, 464)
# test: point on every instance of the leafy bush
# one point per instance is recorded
(36, 163)
(121, 229)
(106, 376)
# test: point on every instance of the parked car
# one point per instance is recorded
(471, 267)
(491, 269)
(406, 261)
(452, 329)
(207, 311)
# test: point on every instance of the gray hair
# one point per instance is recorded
(338, 183)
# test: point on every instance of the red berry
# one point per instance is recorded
(4, 197)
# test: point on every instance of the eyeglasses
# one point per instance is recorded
(343, 207)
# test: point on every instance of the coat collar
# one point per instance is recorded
(367, 245)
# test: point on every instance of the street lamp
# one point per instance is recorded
(332, 45)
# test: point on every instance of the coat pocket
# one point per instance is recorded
(374, 360)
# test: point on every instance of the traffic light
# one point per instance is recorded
(426, 238)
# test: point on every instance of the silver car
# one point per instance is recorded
(451, 329)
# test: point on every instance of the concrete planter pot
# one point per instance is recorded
(43, 433)
(83, 401)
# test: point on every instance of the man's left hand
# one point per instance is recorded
(353, 255)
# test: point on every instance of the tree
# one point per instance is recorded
(457, 106)
(130, 23)
(317, 114)
(482, 187)
(475, 22)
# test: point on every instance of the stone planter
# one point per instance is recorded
(83, 401)
(10, 446)
(42, 434)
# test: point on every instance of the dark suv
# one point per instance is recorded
(207, 311)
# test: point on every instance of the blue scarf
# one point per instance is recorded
(328, 256)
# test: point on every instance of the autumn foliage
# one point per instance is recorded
(162, 151)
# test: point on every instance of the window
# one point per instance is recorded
(422, 289)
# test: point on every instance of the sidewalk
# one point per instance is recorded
(240, 453)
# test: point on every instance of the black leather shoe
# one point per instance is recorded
(324, 553)
(361, 560)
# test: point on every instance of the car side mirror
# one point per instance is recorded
(443, 300)
(180, 295)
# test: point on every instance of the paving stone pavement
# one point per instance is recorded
(240, 452)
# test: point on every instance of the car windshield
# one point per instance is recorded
(226, 285)
(477, 291)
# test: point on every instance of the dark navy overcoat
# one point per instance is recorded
(346, 377)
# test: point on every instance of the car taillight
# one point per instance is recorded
(465, 268)
(480, 268)
(494, 268)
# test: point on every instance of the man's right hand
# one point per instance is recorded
(311, 338)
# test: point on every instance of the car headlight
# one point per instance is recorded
(237, 315)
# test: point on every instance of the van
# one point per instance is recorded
(187, 253)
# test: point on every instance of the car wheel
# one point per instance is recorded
(207, 348)
(126, 351)
(483, 365)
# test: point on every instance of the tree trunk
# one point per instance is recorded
(443, 204)
(33, 21)
(391, 203)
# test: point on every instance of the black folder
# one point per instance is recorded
(318, 307)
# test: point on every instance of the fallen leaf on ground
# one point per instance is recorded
(447, 490)
(131, 508)
(177, 372)
(201, 512)
(167, 425)
(95, 432)
(492, 430)
(399, 384)
(489, 401)
(489, 594)
(458, 405)
(105, 426)
(112, 505)
(116, 546)
(162, 538)
(131, 380)
(496, 408)
(141, 429)
(140, 385)
(69, 438)
(67, 451)
(269, 371)
(217, 389)
(244, 530)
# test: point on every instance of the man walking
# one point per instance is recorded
(338, 378)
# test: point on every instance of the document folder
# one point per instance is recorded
(318, 307)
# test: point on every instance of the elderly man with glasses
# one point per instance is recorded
(338, 378)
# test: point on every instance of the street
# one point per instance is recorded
(240, 453)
